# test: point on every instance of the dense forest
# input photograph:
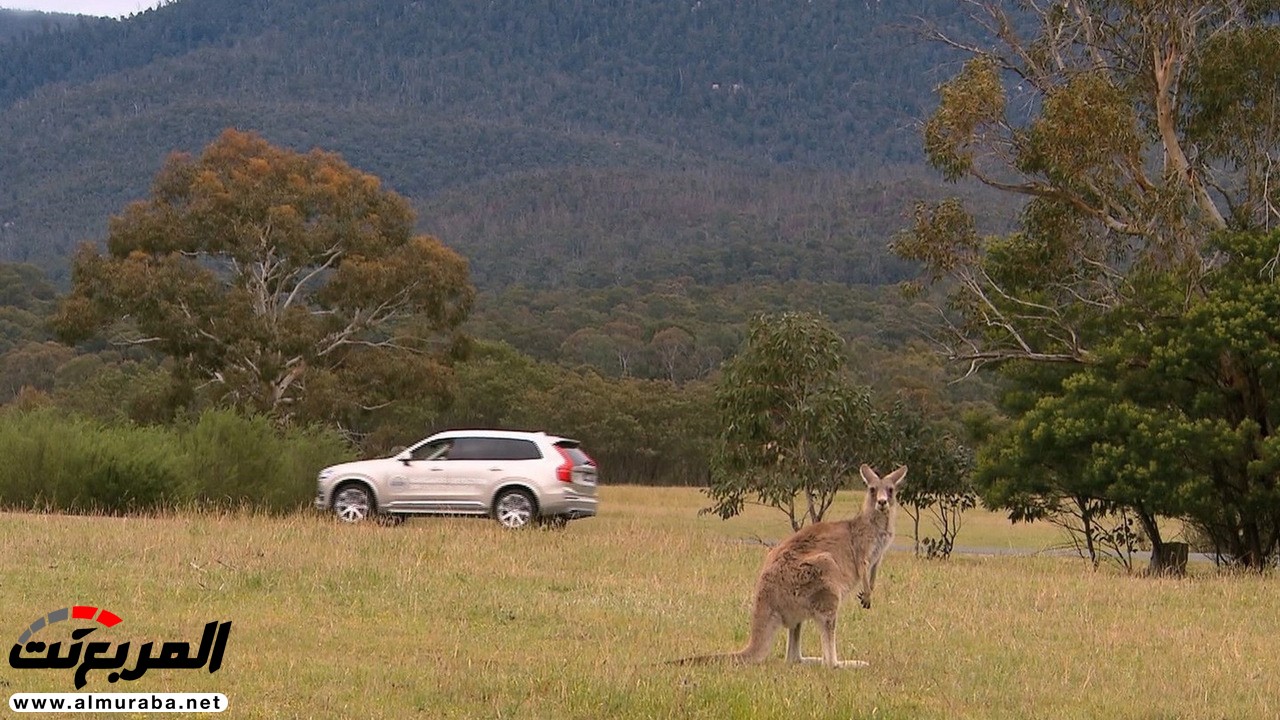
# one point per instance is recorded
(510, 124)
(630, 184)
(29, 24)
(575, 162)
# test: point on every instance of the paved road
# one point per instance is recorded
(1142, 556)
(1139, 557)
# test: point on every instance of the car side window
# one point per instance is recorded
(520, 450)
(438, 450)
(466, 448)
(493, 449)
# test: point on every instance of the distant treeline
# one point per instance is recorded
(627, 370)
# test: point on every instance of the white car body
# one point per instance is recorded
(516, 477)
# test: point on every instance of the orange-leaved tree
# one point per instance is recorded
(281, 282)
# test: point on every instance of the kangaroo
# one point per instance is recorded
(807, 575)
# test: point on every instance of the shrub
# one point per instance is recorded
(68, 463)
(72, 464)
(234, 461)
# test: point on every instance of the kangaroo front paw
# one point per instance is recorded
(865, 599)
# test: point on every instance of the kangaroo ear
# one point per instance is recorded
(896, 476)
(868, 475)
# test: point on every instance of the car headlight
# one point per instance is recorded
(325, 474)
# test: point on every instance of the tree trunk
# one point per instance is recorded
(915, 530)
(1086, 518)
(1168, 559)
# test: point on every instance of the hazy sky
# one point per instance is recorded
(110, 8)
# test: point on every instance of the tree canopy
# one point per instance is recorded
(1177, 418)
(283, 282)
(1116, 123)
(794, 425)
(1137, 133)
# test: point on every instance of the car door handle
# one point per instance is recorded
(495, 469)
(436, 469)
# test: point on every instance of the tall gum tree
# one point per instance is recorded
(1114, 120)
(1137, 132)
(283, 282)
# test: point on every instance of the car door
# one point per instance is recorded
(474, 466)
(423, 483)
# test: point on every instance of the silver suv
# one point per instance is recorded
(515, 477)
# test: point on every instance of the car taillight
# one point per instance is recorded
(564, 472)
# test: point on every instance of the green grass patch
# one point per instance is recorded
(457, 618)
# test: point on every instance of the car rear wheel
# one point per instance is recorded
(514, 509)
(352, 503)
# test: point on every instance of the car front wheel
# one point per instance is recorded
(352, 503)
(514, 509)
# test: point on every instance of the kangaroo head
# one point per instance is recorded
(880, 490)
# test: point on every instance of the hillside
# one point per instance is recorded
(28, 24)
(551, 142)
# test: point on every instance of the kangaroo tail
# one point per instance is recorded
(748, 654)
(706, 659)
(764, 625)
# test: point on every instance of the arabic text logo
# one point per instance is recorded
(29, 653)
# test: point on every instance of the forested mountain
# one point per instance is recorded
(553, 143)
(27, 24)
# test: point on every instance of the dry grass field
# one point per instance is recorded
(454, 618)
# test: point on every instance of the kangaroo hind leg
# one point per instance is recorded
(827, 633)
(793, 644)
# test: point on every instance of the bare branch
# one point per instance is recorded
(332, 255)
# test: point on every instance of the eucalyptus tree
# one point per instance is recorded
(1137, 132)
(283, 282)
(1133, 129)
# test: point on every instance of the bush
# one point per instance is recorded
(68, 463)
(72, 464)
(237, 461)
